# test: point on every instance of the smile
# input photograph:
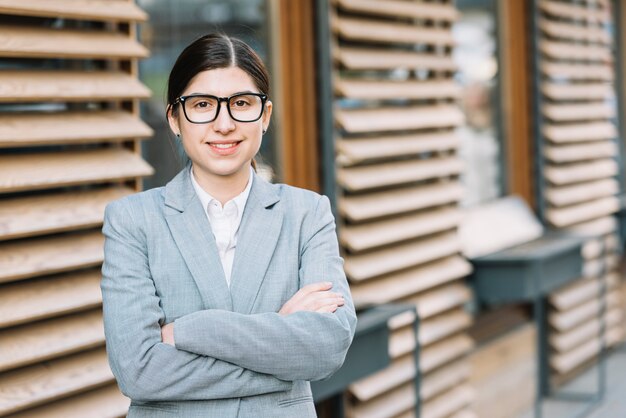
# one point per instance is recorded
(224, 148)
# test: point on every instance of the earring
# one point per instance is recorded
(178, 135)
(264, 130)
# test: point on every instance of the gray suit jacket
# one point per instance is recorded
(234, 356)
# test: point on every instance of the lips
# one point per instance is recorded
(224, 147)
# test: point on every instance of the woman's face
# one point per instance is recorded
(221, 149)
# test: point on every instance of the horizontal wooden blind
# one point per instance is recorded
(397, 170)
(69, 144)
(580, 160)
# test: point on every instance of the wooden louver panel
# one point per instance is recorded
(397, 171)
(70, 137)
(580, 164)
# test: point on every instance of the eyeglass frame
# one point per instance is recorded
(182, 99)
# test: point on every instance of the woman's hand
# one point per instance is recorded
(167, 334)
(315, 297)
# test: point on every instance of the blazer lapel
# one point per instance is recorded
(192, 233)
(258, 234)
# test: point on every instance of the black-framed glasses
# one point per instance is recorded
(204, 108)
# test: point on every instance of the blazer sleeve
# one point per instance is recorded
(299, 346)
(145, 368)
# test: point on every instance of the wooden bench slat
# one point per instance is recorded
(591, 71)
(36, 128)
(31, 42)
(574, 112)
(381, 89)
(355, 150)
(581, 172)
(65, 86)
(44, 214)
(45, 382)
(399, 118)
(366, 266)
(68, 168)
(364, 237)
(448, 403)
(565, 362)
(51, 338)
(434, 302)
(359, 29)
(106, 401)
(397, 173)
(444, 352)
(573, 52)
(581, 152)
(40, 256)
(384, 59)
(596, 227)
(76, 9)
(586, 91)
(580, 132)
(567, 341)
(393, 402)
(569, 195)
(49, 297)
(400, 285)
(404, 9)
(581, 212)
(580, 291)
(442, 326)
(393, 202)
(575, 12)
(575, 32)
(566, 320)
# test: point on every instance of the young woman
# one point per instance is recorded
(223, 294)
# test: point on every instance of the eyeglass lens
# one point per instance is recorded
(242, 108)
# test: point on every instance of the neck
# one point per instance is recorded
(222, 188)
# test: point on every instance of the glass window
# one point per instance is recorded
(173, 24)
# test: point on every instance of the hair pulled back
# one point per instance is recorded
(210, 52)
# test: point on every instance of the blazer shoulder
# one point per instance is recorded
(297, 197)
(137, 202)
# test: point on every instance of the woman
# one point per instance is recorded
(223, 295)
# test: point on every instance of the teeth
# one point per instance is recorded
(224, 146)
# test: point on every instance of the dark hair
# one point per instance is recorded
(215, 51)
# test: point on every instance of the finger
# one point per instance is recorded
(317, 304)
(327, 309)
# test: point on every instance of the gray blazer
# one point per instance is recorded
(234, 356)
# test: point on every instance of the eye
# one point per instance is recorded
(202, 104)
(241, 103)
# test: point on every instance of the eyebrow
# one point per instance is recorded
(209, 94)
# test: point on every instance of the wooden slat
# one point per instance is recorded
(562, 196)
(51, 338)
(592, 71)
(35, 128)
(570, 215)
(566, 362)
(582, 171)
(439, 327)
(404, 9)
(396, 173)
(381, 89)
(444, 352)
(567, 320)
(45, 382)
(403, 284)
(598, 266)
(384, 59)
(380, 31)
(364, 237)
(30, 42)
(448, 403)
(575, 12)
(102, 402)
(575, 32)
(580, 132)
(50, 297)
(394, 402)
(574, 52)
(356, 150)
(37, 257)
(399, 118)
(586, 91)
(597, 227)
(392, 202)
(564, 342)
(581, 152)
(49, 170)
(434, 302)
(64, 86)
(367, 266)
(574, 112)
(76, 9)
(44, 214)
(446, 377)
(580, 292)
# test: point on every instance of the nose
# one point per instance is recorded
(224, 123)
